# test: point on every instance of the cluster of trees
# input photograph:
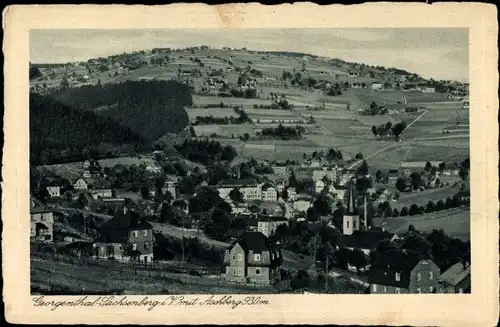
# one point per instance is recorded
(249, 93)
(330, 155)
(34, 72)
(444, 250)
(384, 209)
(375, 109)
(149, 108)
(284, 132)
(160, 60)
(334, 90)
(388, 129)
(241, 119)
(206, 151)
(59, 134)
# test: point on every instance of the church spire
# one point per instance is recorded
(351, 204)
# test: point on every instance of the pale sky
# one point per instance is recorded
(439, 53)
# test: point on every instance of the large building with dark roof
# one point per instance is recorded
(252, 259)
(397, 271)
(126, 237)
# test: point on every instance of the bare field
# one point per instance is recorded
(216, 112)
(457, 141)
(375, 120)
(226, 130)
(437, 153)
(205, 99)
(422, 198)
(389, 159)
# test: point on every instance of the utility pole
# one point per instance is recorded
(183, 248)
(326, 274)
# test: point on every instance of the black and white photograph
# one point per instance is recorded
(249, 161)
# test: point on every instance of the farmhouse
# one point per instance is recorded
(319, 186)
(102, 189)
(54, 191)
(269, 193)
(397, 272)
(126, 237)
(42, 221)
(328, 172)
(281, 170)
(249, 189)
(456, 279)
(80, 184)
(267, 225)
(171, 187)
(252, 259)
(376, 86)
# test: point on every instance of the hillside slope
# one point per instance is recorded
(149, 108)
(59, 133)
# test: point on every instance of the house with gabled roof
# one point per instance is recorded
(41, 222)
(127, 236)
(399, 271)
(81, 184)
(267, 224)
(269, 193)
(252, 259)
(101, 189)
(456, 279)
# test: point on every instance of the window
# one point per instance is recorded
(431, 275)
(398, 277)
(234, 258)
(398, 291)
(419, 290)
(256, 257)
(385, 289)
(374, 288)
(419, 276)
(240, 271)
(431, 289)
(134, 233)
(134, 246)
(240, 257)
(144, 233)
(347, 224)
(146, 246)
(354, 224)
(257, 271)
(235, 271)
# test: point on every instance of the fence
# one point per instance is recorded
(188, 274)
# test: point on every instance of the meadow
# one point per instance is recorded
(454, 222)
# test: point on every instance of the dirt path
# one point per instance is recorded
(390, 146)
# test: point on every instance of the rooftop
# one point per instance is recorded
(455, 274)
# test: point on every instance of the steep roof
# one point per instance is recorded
(352, 210)
(116, 230)
(237, 183)
(363, 239)
(272, 218)
(102, 184)
(254, 241)
(383, 270)
(455, 274)
(36, 206)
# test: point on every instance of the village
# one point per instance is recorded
(291, 176)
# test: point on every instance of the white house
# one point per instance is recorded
(330, 173)
(80, 184)
(292, 193)
(154, 169)
(269, 193)
(319, 186)
(268, 225)
(376, 86)
(428, 90)
(54, 191)
(249, 190)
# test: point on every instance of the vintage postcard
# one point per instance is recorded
(249, 164)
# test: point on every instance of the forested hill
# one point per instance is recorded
(59, 133)
(149, 108)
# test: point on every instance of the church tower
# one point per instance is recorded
(351, 216)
